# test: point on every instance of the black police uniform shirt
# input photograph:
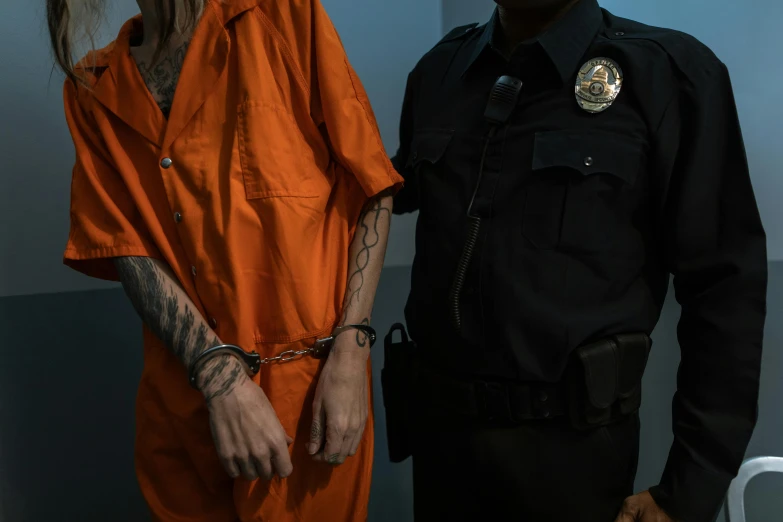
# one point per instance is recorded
(585, 216)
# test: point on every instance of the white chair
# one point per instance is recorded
(735, 500)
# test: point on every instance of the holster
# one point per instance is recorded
(605, 380)
(398, 382)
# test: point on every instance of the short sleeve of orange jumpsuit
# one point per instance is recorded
(338, 98)
(104, 220)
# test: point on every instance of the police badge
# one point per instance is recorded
(598, 84)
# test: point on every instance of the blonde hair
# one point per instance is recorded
(72, 21)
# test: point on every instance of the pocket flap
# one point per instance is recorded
(634, 355)
(600, 363)
(276, 160)
(589, 152)
(429, 146)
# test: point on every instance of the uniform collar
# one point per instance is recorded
(565, 42)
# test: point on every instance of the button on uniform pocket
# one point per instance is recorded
(575, 196)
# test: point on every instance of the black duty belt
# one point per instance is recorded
(487, 401)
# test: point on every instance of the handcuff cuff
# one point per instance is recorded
(252, 361)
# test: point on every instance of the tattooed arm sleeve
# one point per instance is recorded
(166, 309)
(366, 255)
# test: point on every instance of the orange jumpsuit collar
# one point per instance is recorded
(122, 91)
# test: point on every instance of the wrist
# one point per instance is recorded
(351, 346)
(219, 376)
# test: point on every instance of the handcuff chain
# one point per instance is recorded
(287, 356)
(321, 348)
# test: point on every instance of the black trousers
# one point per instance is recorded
(541, 471)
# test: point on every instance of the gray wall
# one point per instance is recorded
(36, 152)
(462, 12)
(66, 411)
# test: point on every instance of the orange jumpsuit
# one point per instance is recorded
(272, 152)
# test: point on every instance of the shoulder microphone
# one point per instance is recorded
(501, 104)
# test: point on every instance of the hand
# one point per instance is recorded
(340, 405)
(248, 435)
(642, 508)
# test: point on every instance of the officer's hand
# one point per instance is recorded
(249, 438)
(642, 508)
(341, 402)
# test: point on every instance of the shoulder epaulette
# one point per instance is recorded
(458, 33)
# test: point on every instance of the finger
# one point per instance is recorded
(360, 432)
(231, 467)
(334, 445)
(357, 439)
(263, 466)
(289, 439)
(247, 467)
(317, 430)
(626, 515)
(219, 435)
(629, 512)
(345, 449)
(282, 465)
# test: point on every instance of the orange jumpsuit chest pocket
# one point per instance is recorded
(276, 159)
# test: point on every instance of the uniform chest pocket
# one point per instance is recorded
(430, 166)
(428, 148)
(577, 195)
(275, 157)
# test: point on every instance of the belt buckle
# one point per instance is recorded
(492, 401)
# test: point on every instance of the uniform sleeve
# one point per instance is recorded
(104, 220)
(407, 199)
(716, 250)
(339, 100)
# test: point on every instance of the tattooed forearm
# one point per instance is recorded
(219, 376)
(366, 260)
(167, 310)
(159, 306)
(369, 235)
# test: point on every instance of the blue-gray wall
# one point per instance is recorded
(70, 346)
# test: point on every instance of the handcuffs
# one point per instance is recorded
(252, 361)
